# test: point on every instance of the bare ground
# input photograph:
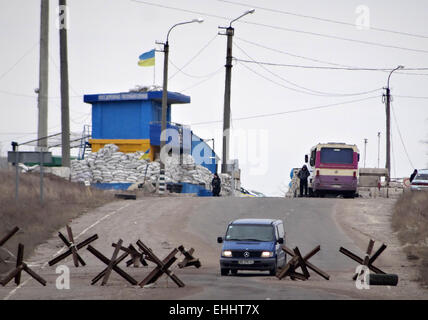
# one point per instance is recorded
(63, 201)
(410, 221)
(365, 219)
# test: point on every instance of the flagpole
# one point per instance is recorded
(154, 72)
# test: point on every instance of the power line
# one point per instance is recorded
(18, 94)
(193, 76)
(322, 67)
(410, 97)
(311, 91)
(59, 70)
(290, 111)
(270, 80)
(401, 137)
(291, 54)
(285, 29)
(324, 19)
(393, 157)
(86, 115)
(324, 35)
(322, 61)
(13, 133)
(204, 80)
(293, 89)
(192, 59)
(24, 95)
(19, 60)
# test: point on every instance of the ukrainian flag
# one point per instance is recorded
(147, 59)
(145, 155)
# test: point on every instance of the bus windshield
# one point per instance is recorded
(337, 155)
(246, 232)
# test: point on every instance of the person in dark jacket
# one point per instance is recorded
(303, 176)
(216, 184)
(413, 175)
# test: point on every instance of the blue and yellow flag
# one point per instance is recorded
(145, 155)
(147, 59)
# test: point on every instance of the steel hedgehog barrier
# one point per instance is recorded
(379, 278)
(7, 237)
(72, 248)
(137, 257)
(299, 261)
(143, 256)
(112, 264)
(162, 266)
(21, 266)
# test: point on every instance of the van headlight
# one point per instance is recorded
(267, 254)
(226, 253)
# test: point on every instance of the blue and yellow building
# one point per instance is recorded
(132, 121)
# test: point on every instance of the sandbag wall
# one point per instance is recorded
(109, 165)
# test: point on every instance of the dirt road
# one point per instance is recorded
(165, 223)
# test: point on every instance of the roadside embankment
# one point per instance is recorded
(63, 200)
(410, 221)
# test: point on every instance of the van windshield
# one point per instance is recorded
(247, 232)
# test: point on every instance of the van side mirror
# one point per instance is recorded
(219, 240)
(306, 158)
(281, 240)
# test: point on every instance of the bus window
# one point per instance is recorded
(337, 155)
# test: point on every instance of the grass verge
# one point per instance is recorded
(63, 201)
(410, 221)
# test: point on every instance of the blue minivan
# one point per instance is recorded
(252, 244)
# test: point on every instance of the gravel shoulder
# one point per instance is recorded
(365, 219)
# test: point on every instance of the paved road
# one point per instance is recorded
(308, 223)
(197, 222)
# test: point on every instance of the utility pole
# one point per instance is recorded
(387, 97)
(165, 105)
(164, 100)
(65, 109)
(227, 90)
(388, 134)
(162, 186)
(226, 111)
(42, 99)
(365, 151)
(378, 149)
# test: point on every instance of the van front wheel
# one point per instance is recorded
(224, 272)
(272, 271)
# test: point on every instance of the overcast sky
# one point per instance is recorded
(106, 38)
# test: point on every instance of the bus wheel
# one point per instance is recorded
(349, 195)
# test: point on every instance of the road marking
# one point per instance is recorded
(13, 291)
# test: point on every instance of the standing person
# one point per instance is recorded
(413, 175)
(216, 184)
(303, 176)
